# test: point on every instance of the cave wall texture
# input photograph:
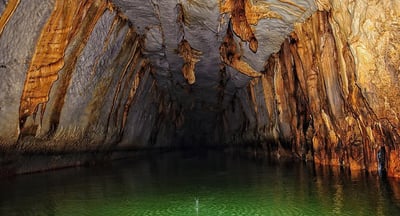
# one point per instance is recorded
(311, 80)
(74, 79)
(330, 93)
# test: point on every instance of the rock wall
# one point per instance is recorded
(74, 79)
(330, 94)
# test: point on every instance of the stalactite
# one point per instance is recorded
(231, 55)
(244, 14)
(190, 56)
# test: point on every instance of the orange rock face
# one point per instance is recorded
(48, 58)
(60, 79)
(321, 112)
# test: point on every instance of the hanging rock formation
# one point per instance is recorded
(317, 81)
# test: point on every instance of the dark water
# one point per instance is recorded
(208, 184)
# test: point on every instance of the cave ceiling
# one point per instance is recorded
(186, 43)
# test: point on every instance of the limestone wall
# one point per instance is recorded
(330, 94)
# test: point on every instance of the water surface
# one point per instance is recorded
(204, 184)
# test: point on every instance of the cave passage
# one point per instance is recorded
(307, 91)
(309, 80)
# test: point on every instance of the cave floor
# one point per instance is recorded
(192, 183)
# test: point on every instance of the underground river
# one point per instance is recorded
(206, 183)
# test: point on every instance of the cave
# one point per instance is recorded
(261, 96)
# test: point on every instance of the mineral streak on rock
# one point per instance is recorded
(132, 91)
(48, 58)
(293, 4)
(89, 14)
(131, 50)
(7, 13)
(66, 20)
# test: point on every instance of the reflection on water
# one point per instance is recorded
(191, 184)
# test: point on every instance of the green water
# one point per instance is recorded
(170, 184)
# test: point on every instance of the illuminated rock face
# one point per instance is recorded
(330, 94)
(84, 76)
(75, 79)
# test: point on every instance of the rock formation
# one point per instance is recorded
(317, 81)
